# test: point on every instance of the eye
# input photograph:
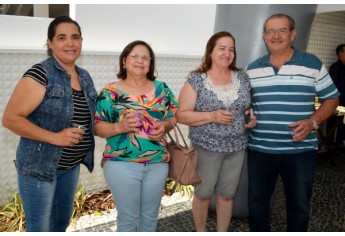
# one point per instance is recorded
(271, 31)
(76, 37)
(283, 31)
(146, 58)
(134, 56)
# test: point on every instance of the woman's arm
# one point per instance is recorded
(187, 115)
(26, 97)
(129, 123)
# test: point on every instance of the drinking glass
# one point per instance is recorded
(75, 125)
(291, 130)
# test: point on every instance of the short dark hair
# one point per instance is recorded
(52, 28)
(340, 48)
(211, 43)
(122, 74)
(281, 15)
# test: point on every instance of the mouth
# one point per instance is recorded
(70, 51)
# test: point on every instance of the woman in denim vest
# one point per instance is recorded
(52, 110)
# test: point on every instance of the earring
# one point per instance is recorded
(124, 67)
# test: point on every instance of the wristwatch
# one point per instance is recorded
(315, 124)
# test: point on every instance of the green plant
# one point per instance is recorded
(79, 202)
(12, 216)
(184, 190)
(93, 203)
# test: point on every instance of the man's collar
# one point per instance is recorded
(297, 55)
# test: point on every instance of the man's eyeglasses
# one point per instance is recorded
(144, 58)
(282, 31)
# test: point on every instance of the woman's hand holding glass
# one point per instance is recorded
(158, 131)
(130, 122)
(68, 137)
(222, 117)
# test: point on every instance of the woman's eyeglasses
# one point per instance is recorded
(136, 57)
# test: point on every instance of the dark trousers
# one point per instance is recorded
(296, 171)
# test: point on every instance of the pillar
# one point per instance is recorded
(245, 23)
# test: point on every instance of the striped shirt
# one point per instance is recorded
(71, 156)
(284, 96)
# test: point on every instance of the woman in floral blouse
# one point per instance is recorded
(133, 115)
(213, 102)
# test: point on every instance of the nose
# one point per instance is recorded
(276, 34)
(70, 41)
(140, 59)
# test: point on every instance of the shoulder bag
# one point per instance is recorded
(183, 162)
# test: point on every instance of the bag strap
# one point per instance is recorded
(184, 141)
(176, 140)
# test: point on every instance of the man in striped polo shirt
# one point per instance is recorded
(284, 142)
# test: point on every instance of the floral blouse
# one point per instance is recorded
(158, 105)
(234, 97)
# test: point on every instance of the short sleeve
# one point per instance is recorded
(103, 109)
(195, 80)
(38, 73)
(171, 102)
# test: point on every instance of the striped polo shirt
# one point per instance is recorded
(284, 96)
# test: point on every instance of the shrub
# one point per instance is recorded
(184, 190)
(12, 216)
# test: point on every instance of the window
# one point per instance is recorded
(35, 10)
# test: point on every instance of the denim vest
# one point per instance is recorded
(40, 159)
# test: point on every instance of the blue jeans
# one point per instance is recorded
(296, 171)
(48, 206)
(137, 191)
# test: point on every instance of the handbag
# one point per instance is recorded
(183, 162)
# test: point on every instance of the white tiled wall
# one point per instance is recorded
(102, 67)
(327, 32)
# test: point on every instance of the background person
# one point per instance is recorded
(133, 115)
(337, 73)
(213, 101)
(284, 84)
(51, 96)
